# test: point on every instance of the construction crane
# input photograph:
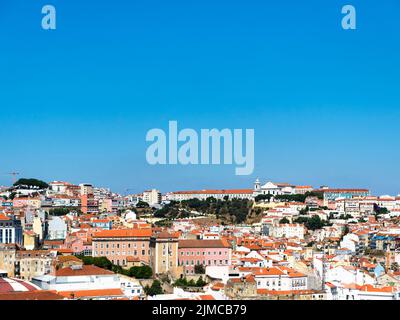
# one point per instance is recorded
(14, 174)
(127, 189)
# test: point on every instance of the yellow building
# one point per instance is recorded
(164, 253)
(30, 240)
(31, 263)
(8, 258)
(37, 227)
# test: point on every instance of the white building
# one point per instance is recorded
(10, 230)
(152, 197)
(364, 292)
(57, 228)
(274, 189)
(342, 275)
(204, 194)
(88, 277)
(277, 278)
(288, 230)
(58, 187)
(130, 215)
(65, 201)
(351, 241)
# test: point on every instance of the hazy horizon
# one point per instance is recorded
(78, 101)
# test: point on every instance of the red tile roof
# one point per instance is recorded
(123, 233)
(86, 270)
(203, 244)
(92, 293)
(3, 217)
(31, 295)
(284, 292)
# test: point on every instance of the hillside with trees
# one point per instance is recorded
(30, 183)
(228, 211)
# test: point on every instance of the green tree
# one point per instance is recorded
(59, 211)
(262, 197)
(181, 282)
(142, 204)
(200, 282)
(117, 269)
(284, 220)
(154, 289)
(199, 269)
(380, 210)
(12, 195)
(211, 200)
(304, 211)
(312, 223)
(141, 272)
(101, 262)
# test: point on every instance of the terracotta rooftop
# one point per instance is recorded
(31, 295)
(166, 235)
(203, 244)
(86, 270)
(146, 232)
(92, 293)
(68, 258)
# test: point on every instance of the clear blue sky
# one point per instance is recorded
(76, 102)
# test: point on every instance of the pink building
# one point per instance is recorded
(203, 252)
(121, 244)
(20, 202)
(80, 242)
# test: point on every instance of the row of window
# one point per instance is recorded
(295, 284)
(298, 283)
(29, 270)
(268, 283)
(164, 253)
(23, 262)
(205, 262)
(5, 224)
(117, 245)
(192, 253)
(6, 236)
(124, 253)
(165, 263)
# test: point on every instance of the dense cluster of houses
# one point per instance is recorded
(353, 254)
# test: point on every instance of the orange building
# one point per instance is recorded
(88, 204)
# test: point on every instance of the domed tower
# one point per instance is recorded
(257, 185)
